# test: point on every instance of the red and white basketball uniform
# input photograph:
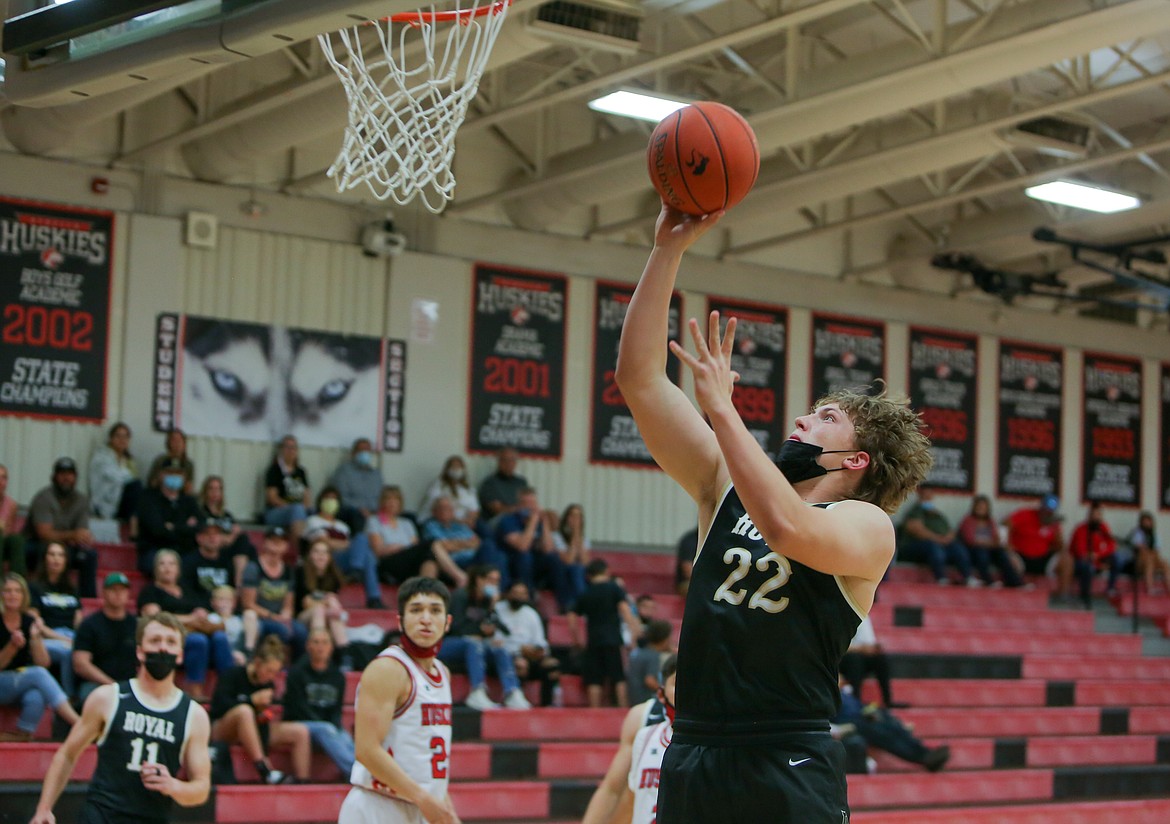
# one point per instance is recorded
(646, 765)
(419, 741)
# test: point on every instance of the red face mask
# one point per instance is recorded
(415, 651)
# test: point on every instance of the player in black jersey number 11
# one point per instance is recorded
(791, 554)
(146, 729)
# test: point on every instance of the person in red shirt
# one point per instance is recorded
(1093, 548)
(1035, 535)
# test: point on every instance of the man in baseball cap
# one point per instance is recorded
(59, 513)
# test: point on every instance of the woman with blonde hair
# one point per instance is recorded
(24, 663)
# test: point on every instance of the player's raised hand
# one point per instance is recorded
(711, 363)
(675, 227)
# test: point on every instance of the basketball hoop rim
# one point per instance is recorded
(418, 18)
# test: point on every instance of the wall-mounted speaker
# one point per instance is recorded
(201, 230)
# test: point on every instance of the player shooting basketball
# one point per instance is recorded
(790, 557)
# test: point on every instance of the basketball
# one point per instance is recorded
(703, 158)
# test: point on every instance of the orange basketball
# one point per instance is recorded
(703, 158)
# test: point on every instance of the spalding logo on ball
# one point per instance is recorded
(703, 158)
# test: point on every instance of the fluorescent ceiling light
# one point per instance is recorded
(635, 104)
(1083, 196)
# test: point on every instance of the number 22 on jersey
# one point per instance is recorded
(742, 559)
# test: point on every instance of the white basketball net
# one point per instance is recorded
(400, 138)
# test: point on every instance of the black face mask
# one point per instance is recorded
(160, 664)
(798, 460)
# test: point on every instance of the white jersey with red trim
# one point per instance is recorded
(645, 766)
(419, 738)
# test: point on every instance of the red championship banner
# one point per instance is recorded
(613, 435)
(847, 353)
(1164, 437)
(943, 380)
(1111, 409)
(517, 361)
(1031, 381)
(761, 346)
(55, 278)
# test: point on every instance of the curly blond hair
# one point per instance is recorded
(892, 434)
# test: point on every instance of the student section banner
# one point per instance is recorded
(1111, 409)
(1164, 440)
(943, 381)
(517, 361)
(55, 278)
(760, 357)
(847, 353)
(613, 436)
(255, 382)
(1031, 380)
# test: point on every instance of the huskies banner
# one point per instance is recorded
(847, 353)
(255, 382)
(517, 361)
(613, 435)
(1031, 379)
(943, 377)
(1112, 413)
(55, 304)
(761, 345)
(1164, 439)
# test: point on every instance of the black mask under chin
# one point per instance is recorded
(160, 664)
(798, 460)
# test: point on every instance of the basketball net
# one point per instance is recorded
(400, 138)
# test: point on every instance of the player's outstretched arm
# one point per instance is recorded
(673, 430)
(84, 732)
(193, 791)
(609, 792)
(852, 539)
(384, 686)
(623, 813)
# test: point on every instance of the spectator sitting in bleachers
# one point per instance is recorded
(105, 647)
(351, 552)
(286, 490)
(645, 662)
(475, 637)
(569, 539)
(1143, 538)
(24, 663)
(241, 627)
(1093, 549)
(317, 584)
(167, 516)
(882, 730)
(604, 607)
(452, 483)
(268, 590)
(1034, 534)
(243, 702)
(394, 538)
(685, 551)
(459, 539)
(11, 541)
(59, 512)
(359, 485)
(206, 641)
(114, 486)
(864, 657)
(980, 534)
(175, 454)
(56, 603)
(526, 641)
(208, 566)
(313, 697)
(236, 544)
(525, 536)
(925, 536)
(499, 493)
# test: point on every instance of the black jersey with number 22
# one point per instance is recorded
(762, 635)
